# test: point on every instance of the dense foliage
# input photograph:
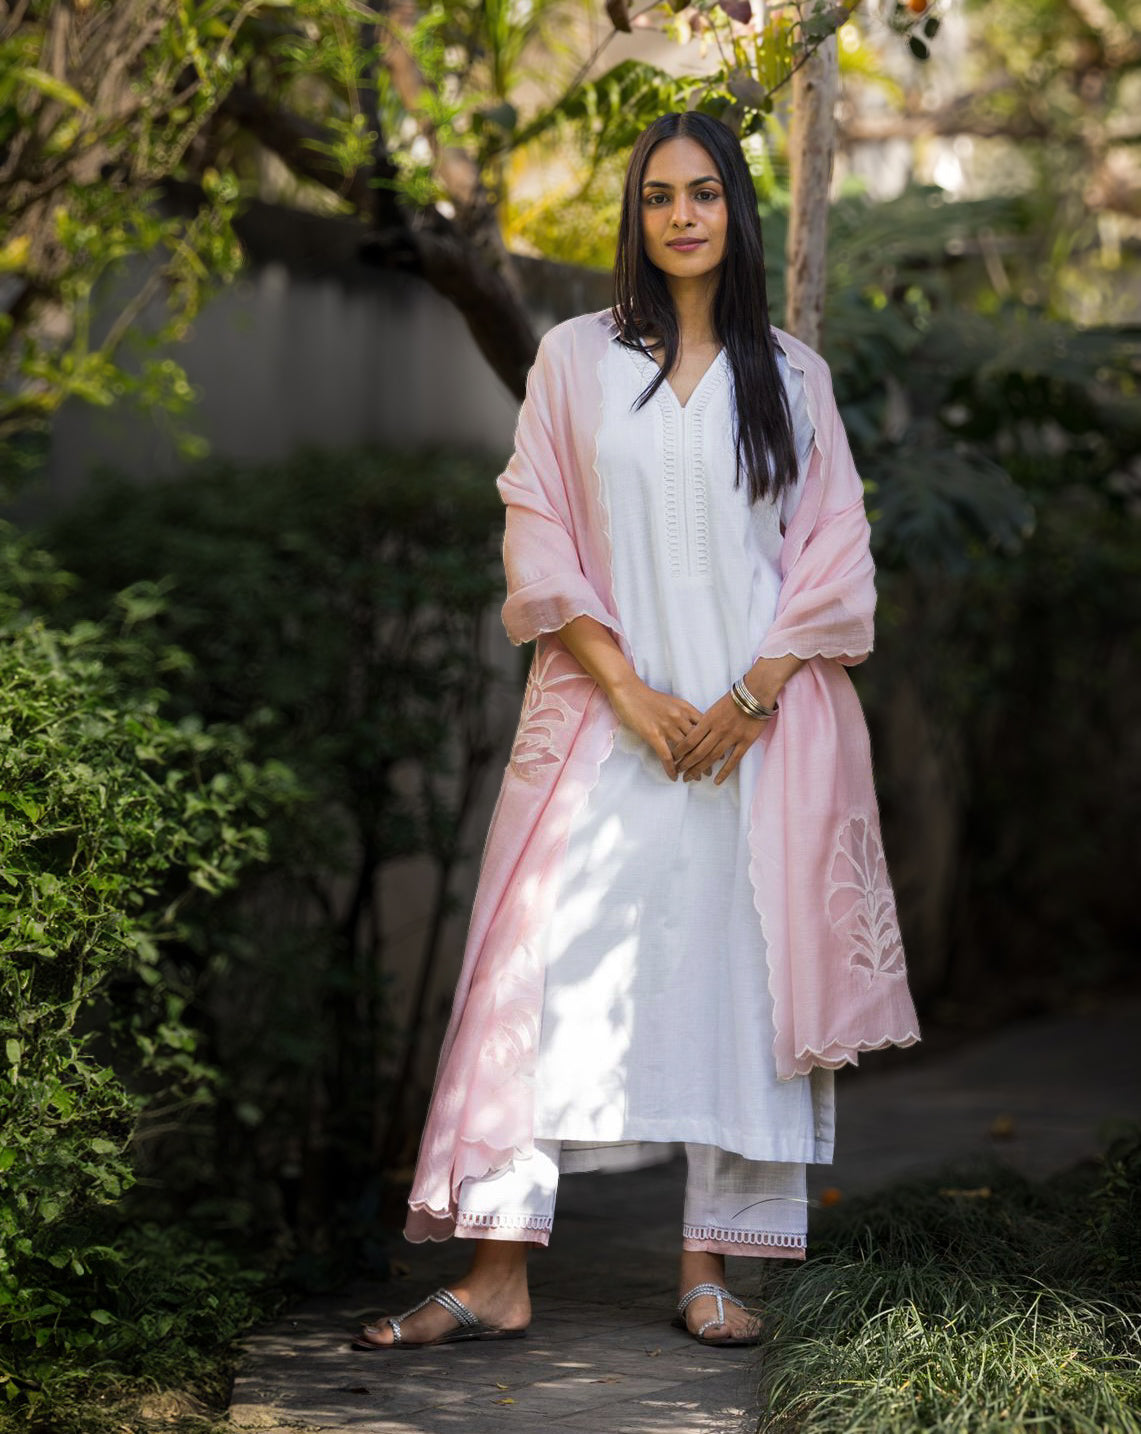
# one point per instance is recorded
(115, 820)
(1001, 454)
(197, 1068)
(335, 607)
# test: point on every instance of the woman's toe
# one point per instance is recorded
(379, 1333)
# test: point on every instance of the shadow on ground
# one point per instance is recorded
(601, 1355)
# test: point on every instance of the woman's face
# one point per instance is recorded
(685, 217)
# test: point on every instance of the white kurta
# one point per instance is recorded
(657, 1020)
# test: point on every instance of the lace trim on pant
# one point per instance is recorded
(504, 1222)
(718, 1234)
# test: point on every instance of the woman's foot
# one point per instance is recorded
(699, 1267)
(494, 1289)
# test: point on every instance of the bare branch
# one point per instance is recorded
(491, 307)
(132, 311)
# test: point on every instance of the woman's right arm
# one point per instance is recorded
(659, 718)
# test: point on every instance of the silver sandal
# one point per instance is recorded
(720, 1294)
(469, 1326)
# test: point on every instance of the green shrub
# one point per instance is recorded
(114, 819)
(1001, 454)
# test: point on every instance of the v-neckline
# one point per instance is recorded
(713, 364)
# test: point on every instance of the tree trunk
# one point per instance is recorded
(812, 143)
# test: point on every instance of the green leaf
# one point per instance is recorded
(53, 88)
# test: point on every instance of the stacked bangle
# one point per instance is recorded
(748, 704)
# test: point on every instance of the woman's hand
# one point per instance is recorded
(662, 720)
(723, 731)
(659, 718)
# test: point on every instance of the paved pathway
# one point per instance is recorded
(600, 1357)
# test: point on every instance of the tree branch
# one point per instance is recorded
(385, 209)
(452, 261)
(295, 140)
(491, 308)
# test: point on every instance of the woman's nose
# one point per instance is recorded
(681, 217)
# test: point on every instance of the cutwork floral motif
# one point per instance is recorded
(513, 1037)
(860, 902)
(546, 712)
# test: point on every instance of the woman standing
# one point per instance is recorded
(684, 922)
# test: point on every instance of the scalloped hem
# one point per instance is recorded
(764, 1244)
(534, 631)
(841, 655)
(807, 1058)
(528, 1229)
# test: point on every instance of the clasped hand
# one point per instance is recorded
(686, 741)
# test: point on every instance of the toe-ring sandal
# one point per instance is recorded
(720, 1294)
(469, 1327)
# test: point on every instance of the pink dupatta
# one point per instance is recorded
(835, 959)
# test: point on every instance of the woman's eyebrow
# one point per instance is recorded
(663, 184)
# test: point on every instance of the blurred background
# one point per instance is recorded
(271, 278)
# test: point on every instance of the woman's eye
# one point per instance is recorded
(707, 194)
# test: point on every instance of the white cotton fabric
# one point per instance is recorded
(657, 1020)
(736, 1205)
(743, 1206)
(516, 1204)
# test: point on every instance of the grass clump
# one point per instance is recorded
(985, 1305)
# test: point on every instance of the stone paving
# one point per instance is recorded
(600, 1357)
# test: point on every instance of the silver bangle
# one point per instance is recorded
(748, 704)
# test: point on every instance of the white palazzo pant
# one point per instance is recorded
(733, 1206)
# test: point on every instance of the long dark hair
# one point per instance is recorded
(766, 448)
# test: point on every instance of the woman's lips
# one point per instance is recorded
(685, 244)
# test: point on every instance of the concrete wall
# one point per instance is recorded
(311, 346)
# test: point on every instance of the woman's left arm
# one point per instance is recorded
(725, 731)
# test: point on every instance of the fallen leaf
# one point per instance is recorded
(1002, 1127)
(502, 1386)
(981, 1192)
(830, 1196)
(503, 1401)
(171, 1406)
(653, 1353)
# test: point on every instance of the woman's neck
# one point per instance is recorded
(693, 304)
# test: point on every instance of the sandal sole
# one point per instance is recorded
(737, 1342)
(459, 1336)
